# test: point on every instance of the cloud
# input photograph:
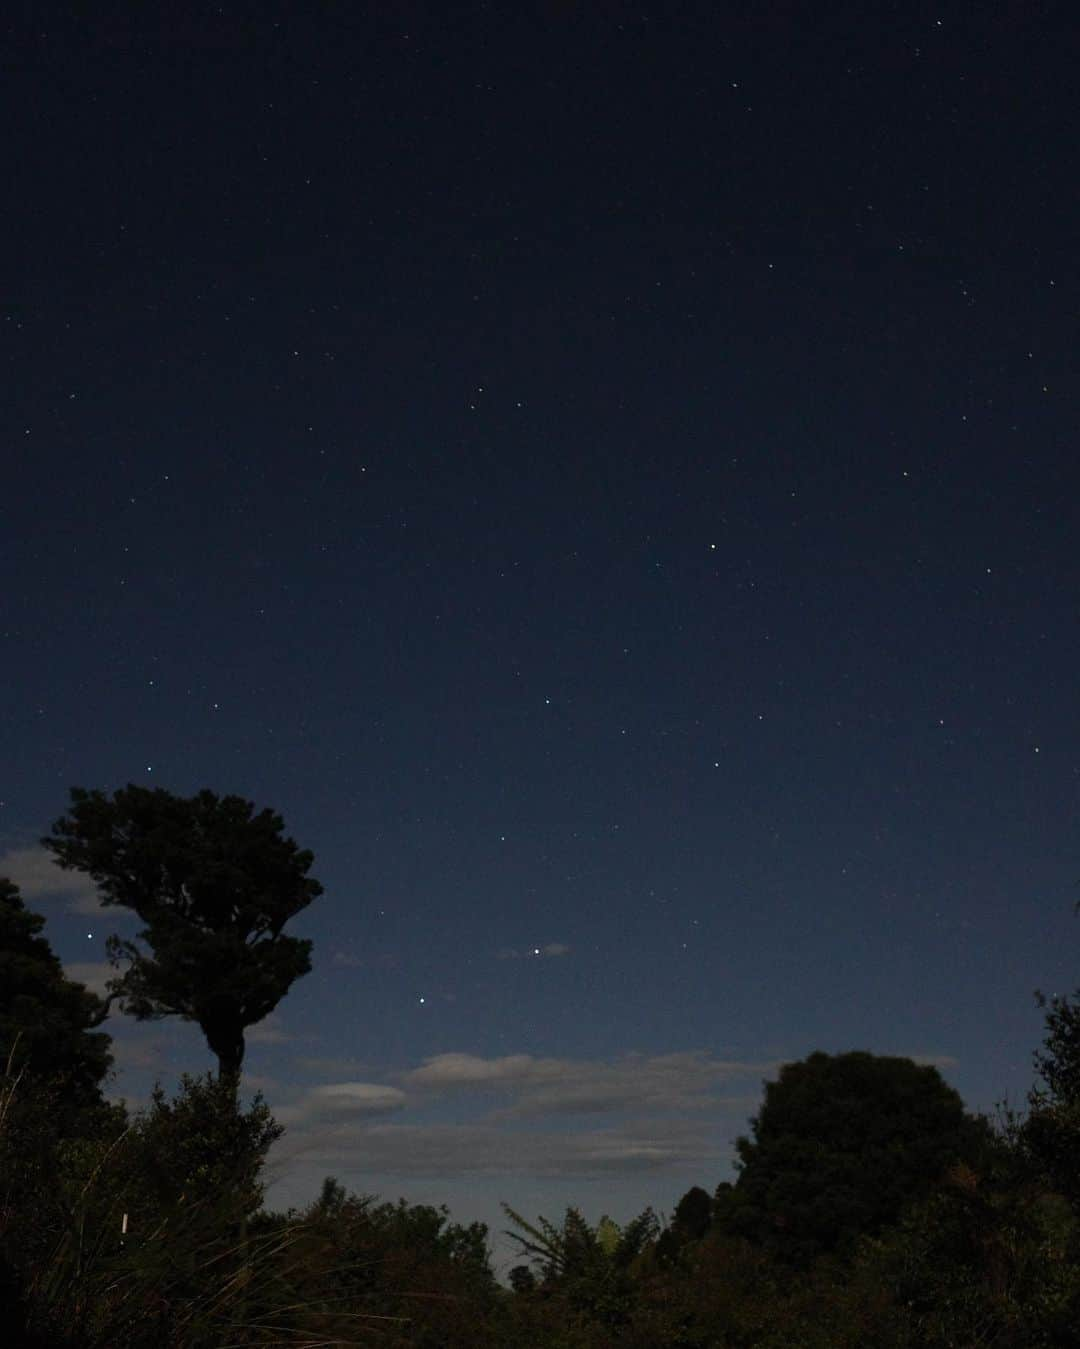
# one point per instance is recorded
(92, 973)
(330, 1067)
(341, 1103)
(37, 876)
(551, 951)
(445, 1150)
(667, 1082)
(656, 1112)
(469, 1070)
(269, 1031)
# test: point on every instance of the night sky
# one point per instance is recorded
(608, 476)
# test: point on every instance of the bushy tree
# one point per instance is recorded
(841, 1145)
(1049, 1136)
(141, 1239)
(215, 883)
(406, 1272)
(52, 1065)
(984, 1260)
(693, 1214)
(200, 1146)
(46, 1019)
(690, 1222)
(1057, 1063)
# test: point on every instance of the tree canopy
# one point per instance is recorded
(841, 1145)
(215, 883)
(1050, 1134)
(46, 1019)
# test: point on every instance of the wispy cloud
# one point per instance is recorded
(659, 1111)
(330, 1067)
(551, 951)
(38, 877)
(341, 1104)
(269, 1031)
(446, 1150)
(669, 1082)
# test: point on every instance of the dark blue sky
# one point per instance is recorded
(609, 478)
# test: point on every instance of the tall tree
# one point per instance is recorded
(215, 883)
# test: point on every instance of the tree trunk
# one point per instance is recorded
(226, 1041)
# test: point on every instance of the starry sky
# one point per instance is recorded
(608, 476)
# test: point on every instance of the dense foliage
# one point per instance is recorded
(842, 1145)
(150, 1231)
(869, 1207)
(215, 883)
(46, 1019)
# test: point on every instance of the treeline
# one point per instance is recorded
(869, 1207)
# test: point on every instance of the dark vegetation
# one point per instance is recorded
(214, 884)
(869, 1208)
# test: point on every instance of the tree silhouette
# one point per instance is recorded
(690, 1222)
(46, 1019)
(214, 884)
(841, 1146)
(1058, 1062)
(1050, 1135)
(693, 1214)
(591, 1268)
(52, 1064)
